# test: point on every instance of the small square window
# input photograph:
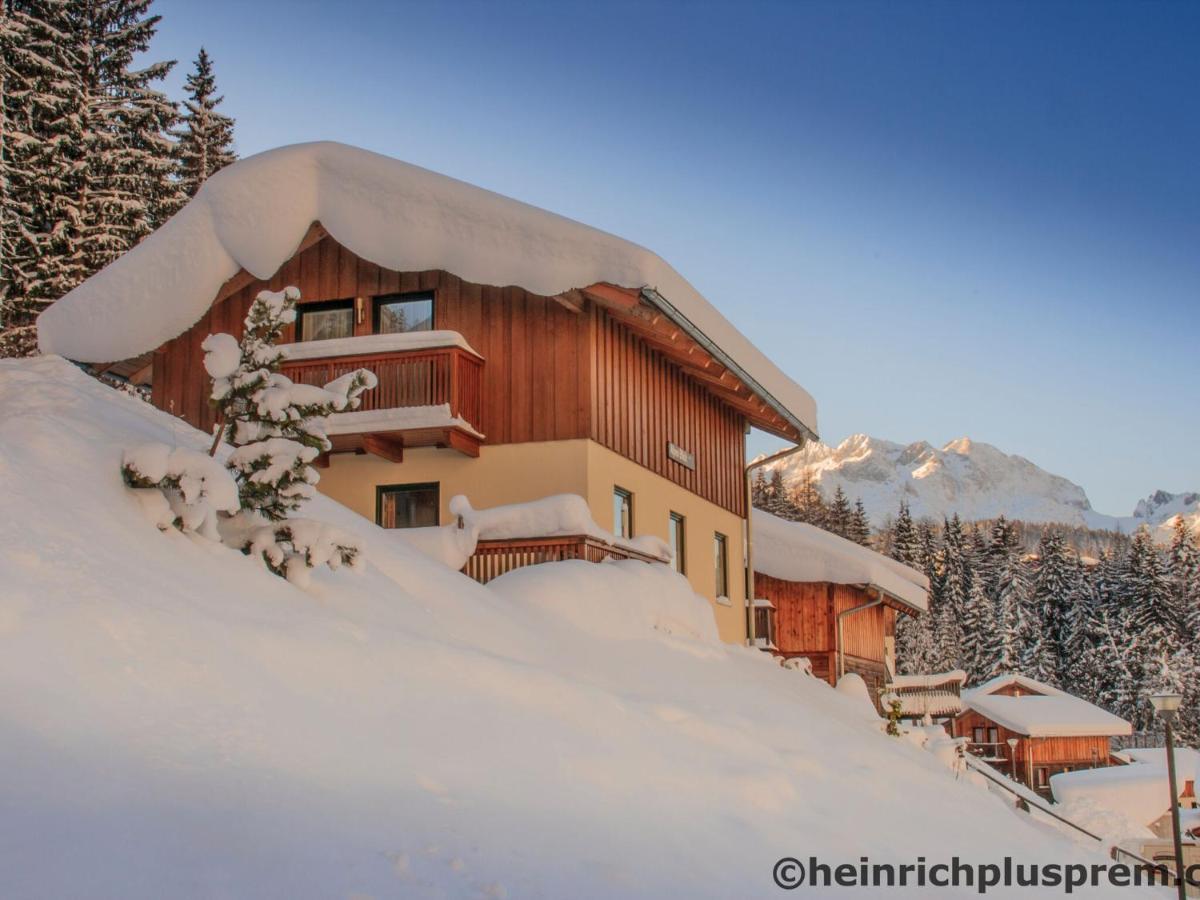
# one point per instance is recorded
(325, 321)
(622, 513)
(407, 505)
(721, 561)
(676, 534)
(401, 313)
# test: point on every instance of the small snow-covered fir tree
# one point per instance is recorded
(277, 428)
(1151, 628)
(1183, 571)
(205, 136)
(905, 547)
(837, 516)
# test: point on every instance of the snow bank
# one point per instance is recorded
(1136, 792)
(254, 213)
(617, 600)
(448, 544)
(1187, 761)
(797, 551)
(555, 516)
(177, 721)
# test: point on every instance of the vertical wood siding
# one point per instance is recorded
(549, 373)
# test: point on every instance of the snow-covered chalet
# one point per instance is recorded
(519, 354)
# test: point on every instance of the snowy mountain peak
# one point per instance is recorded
(971, 478)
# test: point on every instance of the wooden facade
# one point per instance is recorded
(592, 364)
(806, 624)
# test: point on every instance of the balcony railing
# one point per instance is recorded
(493, 558)
(428, 377)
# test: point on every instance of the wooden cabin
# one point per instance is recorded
(831, 600)
(519, 354)
(1053, 731)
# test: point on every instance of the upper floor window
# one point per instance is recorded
(407, 505)
(325, 321)
(622, 513)
(398, 313)
(676, 529)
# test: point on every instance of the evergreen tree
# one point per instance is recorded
(859, 529)
(39, 100)
(1183, 570)
(978, 623)
(758, 489)
(205, 138)
(1151, 629)
(808, 503)
(1010, 604)
(1054, 591)
(905, 546)
(952, 588)
(837, 517)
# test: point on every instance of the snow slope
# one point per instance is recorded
(971, 478)
(175, 721)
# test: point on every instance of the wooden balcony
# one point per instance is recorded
(493, 558)
(427, 397)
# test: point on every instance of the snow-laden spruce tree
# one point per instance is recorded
(277, 428)
(205, 136)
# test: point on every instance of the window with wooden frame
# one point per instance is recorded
(407, 505)
(401, 313)
(676, 535)
(721, 561)
(324, 321)
(622, 513)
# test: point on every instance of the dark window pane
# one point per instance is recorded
(408, 506)
(396, 313)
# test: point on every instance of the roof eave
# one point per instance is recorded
(656, 299)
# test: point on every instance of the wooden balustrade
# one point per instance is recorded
(493, 558)
(426, 377)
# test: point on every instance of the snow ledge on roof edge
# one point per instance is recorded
(254, 214)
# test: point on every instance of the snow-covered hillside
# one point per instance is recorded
(176, 721)
(973, 479)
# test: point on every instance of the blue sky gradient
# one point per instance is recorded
(942, 219)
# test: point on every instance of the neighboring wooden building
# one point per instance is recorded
(519, 354)
(831, 600)
(1054, 731)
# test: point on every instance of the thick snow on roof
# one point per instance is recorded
(935, 679)
(1139, 792)
(1041, 716)
(797, 551)
(1030, 684)
(254, 213)
(208, 729)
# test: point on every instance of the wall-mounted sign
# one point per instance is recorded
(685, 458)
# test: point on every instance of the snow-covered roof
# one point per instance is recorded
(1012, 679)
(1139, 792)
(932, 680)
(1039, 716)
(797, 551)
(1187, 760)
(253, 215)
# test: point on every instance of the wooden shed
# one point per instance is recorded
(831, 600)
(1053, 731)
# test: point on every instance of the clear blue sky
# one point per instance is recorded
(942, 219)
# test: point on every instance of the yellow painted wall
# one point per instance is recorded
(518, 473)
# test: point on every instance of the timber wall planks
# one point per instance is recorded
(549, 373)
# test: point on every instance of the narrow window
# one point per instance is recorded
(977, 734)
(721, 559)
(622, 513)
(675, 532)
(993, 736)
(764, 624)
(325, 321)
(398, 313)
(1041, 774)
(407, 505)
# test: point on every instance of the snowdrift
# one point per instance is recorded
(176, 721)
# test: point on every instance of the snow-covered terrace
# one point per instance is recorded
(253, 215)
